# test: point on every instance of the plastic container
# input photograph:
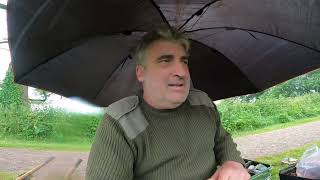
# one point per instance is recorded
(264, 174)
(289, 173)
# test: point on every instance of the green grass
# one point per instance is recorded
(7, 176)
(85, 145)
(244, 116)
(40, 145)
(275, 160)
(274, 127)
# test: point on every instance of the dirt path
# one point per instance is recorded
(277, 141)
(251, 147)
(22, 160)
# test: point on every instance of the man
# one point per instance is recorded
(167, 131)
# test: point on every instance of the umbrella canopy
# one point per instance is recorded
(82, 48)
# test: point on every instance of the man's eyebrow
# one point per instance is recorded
(185, 56)
(166, 56)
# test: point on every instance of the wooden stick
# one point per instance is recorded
(23, 176)
(71, 171)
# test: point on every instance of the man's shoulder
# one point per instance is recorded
(197, 97)
(128, 114)
(123, 106)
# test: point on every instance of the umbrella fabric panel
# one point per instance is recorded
(122, 83)
(212, 72)
(177, 12)
(82, 48)
(264, 60)
(55, 26)
(293, 20)
(83, 70)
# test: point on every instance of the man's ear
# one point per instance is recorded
(140, 73)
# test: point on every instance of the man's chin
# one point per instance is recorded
(178, 98)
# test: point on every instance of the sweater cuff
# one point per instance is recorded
(232, 158)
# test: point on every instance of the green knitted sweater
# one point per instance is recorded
(183, 143)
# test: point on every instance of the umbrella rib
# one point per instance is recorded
(160, 12)
(196, 13)
(248, 30)
(58, 15)
(199, 18)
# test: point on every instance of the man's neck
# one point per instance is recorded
(160, 105)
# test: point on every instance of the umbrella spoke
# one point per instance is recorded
(197, 13)
(248, 30)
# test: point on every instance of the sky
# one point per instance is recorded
(68, 104)
(4, 49)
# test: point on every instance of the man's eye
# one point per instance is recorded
(165, 60)
(186, 61)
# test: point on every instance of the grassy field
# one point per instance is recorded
(42, 145)
(274, 127)
(85, 145)
(7, 176)
(275, 160)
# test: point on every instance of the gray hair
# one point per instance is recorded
(161, 34)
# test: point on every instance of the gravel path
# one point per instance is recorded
(251, 147)
(277, 141)
(23, 160)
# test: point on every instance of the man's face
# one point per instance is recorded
(165, 76)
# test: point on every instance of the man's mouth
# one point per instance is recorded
(176, 85)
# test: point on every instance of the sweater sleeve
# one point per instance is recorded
(111, 156)
(225, 148)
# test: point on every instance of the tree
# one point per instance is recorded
(12, 93)
(301, 85)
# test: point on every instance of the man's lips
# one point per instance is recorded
(176, 85)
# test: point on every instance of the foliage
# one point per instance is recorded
(299, 86)
(75, 127)
(47, 123)
(10, 93)
(19, 121)
(239, 116)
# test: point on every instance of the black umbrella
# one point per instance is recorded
(82, 48)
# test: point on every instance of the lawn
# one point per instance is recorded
(236, 134)
(275, 160)
(43, 145)
(7, 176)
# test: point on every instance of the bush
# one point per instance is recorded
(75, 127)
(237, 115)
(10, 92)
(19, 121)
(47, 124)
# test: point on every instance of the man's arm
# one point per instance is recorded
(227, 155)
(111, 156)
(225, 149)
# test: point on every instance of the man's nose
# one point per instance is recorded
(180, 69)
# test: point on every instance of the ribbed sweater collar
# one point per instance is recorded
(161, 112)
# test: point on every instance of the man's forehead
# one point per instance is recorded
(166, 47)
